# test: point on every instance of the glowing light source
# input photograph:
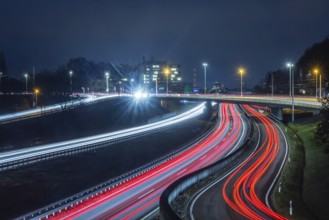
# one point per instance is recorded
(167, 72)
(241, 72)
(140, 95)
(205, 77)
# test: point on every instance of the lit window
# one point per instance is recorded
(179, 78)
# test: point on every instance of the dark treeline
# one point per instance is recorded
(314, 57)
(87, 76)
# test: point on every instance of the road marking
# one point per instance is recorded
(290, 207)
(280, 169)
(146, 194)
(201, 191)
(181, 172)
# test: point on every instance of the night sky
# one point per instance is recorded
(259, 35)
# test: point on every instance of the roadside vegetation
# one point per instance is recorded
(290, 183)
(305, 178)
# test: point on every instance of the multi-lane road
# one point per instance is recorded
(243, 192)
(14, 159)
(39, 111)
(139, 195)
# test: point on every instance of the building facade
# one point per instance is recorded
(161, 77)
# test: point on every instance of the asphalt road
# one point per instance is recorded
(243, 193)
(138, 196)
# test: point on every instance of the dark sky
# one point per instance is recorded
(260, 35)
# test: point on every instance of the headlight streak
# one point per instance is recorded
(51, 148)
(51, 108)
(243, 181)
(134, 196)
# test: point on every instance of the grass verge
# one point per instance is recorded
(291, 180)
(316, 171)
(305, 179)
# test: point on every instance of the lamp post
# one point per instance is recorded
(36, 91)
(320, 86)
(241, 72)
(290, 65)
(71, 73)
(156, 86)
(107, 76)
(167, 72)
(316, 71)
(26, 76)
(291, 79)
(205, 77)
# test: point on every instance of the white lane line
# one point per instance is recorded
(201, 191)
(280, 170)
(150, 213)
(146, 194)
(242, 136)
(181, 172)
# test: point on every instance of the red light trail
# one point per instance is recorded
(138, 194)
(242, 189)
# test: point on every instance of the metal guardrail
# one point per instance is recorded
(281, 101)
(166, 211)
(72, 201)
(46, 110)
(41, 153)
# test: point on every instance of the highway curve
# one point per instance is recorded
(139, 195)
(243, 192)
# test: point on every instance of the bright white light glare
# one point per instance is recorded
(140, 95)
(290, 65)
(213, 103)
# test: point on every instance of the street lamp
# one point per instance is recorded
(316, 71)
(36, 91)
(291, 84)
(290, 65)
(26, 76)
(167, 72)
(156, 85)
(107, 76)
(320, 86)
(71, 73)
(205, 77)
(241, 72)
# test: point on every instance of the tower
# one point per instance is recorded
(194, 78)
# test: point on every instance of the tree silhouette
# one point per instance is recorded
(322, 131)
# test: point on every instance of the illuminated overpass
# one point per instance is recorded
(300, 102)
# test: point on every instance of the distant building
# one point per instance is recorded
(160, 73)
(218, 87)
